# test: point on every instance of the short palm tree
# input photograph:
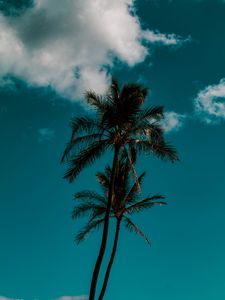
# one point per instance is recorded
(126, 202)
(120, 123)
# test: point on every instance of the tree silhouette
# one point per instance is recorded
(126, 202)
(121, 123)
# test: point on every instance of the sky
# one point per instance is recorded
(51, 52)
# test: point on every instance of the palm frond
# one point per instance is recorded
(90, 208)
(133, 192)
(161, 149)
(146, 118)
(134, 228)
(84, 158)
(151, 113)
(90, 226)
(96, 101)
(145, 204)
(99, 211)
(114, 90)
(79, 142)
(85, 124)
(103, 180)
(82, 209)
(90, 195)
(150, 131)
(130, 166)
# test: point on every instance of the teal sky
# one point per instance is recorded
(177, 49)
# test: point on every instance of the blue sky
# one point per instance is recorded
(50, 53)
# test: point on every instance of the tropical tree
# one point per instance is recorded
(121, 123)
(125, 203)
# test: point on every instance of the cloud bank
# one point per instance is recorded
(71, 45)
(210, 103)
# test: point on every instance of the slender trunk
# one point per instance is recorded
(111, 260)
(105, 229)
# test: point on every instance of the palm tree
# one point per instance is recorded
(126, 202)
(121, 122)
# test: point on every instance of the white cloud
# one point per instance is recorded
(82, 297)
(45, 134)
(164, 39)
(71, 46)
(210, 103)
(173, 121)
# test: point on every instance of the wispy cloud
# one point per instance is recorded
(81, 297)
(164, 39)
(173, 121)
(210, 103)
(73, 46)
(45, 134)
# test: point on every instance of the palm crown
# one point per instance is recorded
(121, 121)
(125, 203)
(123, 124)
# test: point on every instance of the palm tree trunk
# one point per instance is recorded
(111, 260)
(106, 226)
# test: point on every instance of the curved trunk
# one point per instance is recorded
(105, 229)
(110, 261)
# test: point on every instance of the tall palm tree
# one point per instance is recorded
(121, 122)
(126, 202)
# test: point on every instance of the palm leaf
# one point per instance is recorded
(134, 228)
(90, 195)
(103, 179)
(85, 124)
(114, 90)
(90, 208)
(84, 158)
(97, 212)
(161, 149)
(131, 166)
(90, 226)
(88, 124)
(144, 204)
(79, 142)
(150, 114)
(150, 131)
(96, 101)
(133, 192)
(82, 209)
